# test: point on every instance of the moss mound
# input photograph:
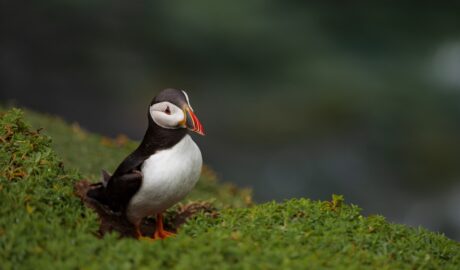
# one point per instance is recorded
(43, 225)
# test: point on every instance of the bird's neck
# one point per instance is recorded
(157, 138)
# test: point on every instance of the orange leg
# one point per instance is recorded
(160, 233)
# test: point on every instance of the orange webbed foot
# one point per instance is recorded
(160, 232)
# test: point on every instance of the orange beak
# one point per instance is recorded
(192, 122)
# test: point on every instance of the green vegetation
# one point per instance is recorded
(44, 225)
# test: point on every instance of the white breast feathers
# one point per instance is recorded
(168, 176)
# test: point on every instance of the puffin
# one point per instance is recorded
(162, 170)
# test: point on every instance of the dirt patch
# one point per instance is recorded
(116, 221)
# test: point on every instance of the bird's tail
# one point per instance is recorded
(99, 191)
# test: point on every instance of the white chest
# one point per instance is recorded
(169, 175)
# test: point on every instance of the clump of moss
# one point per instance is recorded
(301, 234)
(39, 213)
(43, 224)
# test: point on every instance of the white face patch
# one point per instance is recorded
(167, 115)
(188, 100)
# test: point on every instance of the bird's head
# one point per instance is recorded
(171, 109)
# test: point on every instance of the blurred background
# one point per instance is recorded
(297, 99)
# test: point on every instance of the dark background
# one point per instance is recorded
(298, 100)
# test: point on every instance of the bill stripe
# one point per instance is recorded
(188, 100)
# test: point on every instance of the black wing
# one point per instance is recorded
(120, 189)
(117, 191)
(131, 163)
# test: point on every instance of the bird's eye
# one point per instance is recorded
(168, 111)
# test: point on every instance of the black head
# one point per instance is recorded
(174, 96)
(171, 109)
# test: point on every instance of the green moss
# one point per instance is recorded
(44, 225)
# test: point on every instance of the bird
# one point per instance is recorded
(162, 170)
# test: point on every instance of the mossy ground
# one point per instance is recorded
(44, 226)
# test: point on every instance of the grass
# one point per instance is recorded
(43, 225)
